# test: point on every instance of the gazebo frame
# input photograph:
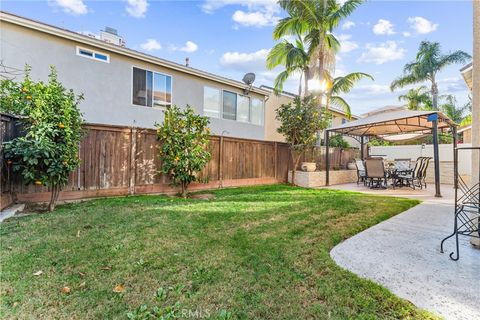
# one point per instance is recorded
(396, 123)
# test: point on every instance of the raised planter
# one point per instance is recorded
(317, 178)
(309, 166)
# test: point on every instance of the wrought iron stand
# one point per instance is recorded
(467, 207)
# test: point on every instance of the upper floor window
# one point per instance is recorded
(212, 99)
(344, 121)
(92, 54)
(256, 111)
(232, 106)
(229, 105)
(151, 89)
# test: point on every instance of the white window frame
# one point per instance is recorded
(220, 111)
(249, 108)
(93, 54)
(153, 85)
(263, 112)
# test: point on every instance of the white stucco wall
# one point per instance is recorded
(107, 87)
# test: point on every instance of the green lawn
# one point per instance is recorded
(258, 252)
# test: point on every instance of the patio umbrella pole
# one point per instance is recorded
(436, 158)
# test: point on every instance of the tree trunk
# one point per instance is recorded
(306, 83)
(184, 190)
(295, 165)
(300, 85)
(54, 197)
(434, 95)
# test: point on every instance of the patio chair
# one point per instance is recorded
(376, 175)
(400, 166)
(361, 173)
(423, 172)
(413, 178)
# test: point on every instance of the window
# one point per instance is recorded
(229, 105)
(212, 99)
(256, 112)
(91, 54)
(151, 88)
(243, 109)
(344, 121)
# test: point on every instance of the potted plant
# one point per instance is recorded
(351, 165)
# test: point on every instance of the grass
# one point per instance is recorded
(257, 252)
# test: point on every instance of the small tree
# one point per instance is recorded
(185, 137)
(48, 152)
(300, 123)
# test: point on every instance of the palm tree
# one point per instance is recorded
(315, 21)
(344, 85)
(294, 58)
(417, 99)
(451, 110)
(428, 63)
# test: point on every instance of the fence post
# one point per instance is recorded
(220, 162)
(133, 160)
(275, 160)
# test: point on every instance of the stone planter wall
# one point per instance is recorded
(317, 178)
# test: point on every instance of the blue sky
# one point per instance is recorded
(232, 37)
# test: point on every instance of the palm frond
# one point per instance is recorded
(345, 84)
(340, 103)
(405, 81)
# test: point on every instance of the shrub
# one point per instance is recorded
(184, 136)
(338, 141)
(48, 152)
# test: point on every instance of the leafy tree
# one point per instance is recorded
(294, 58)
(453, 111)
(427, 64)
(417, 99)
(184, 136)
(337, 141)
(48, 152)
(300, 123)
(344, 85)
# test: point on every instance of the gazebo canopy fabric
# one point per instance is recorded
(395, 122)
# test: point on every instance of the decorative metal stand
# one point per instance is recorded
(467, 208)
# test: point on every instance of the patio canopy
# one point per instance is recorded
(395, 122)
(397, 125)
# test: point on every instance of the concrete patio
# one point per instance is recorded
(403, 254)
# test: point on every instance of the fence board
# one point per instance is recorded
(121, 160)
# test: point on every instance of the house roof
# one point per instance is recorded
(393, 123)
(385, 109)
(467, 73)
(80, 38)
(292, 95)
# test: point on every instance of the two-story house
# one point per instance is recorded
(126, 87)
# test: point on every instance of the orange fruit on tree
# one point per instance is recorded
(61, 126)
(38, 182)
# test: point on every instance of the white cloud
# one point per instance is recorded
(384, 52)
(346, 44)
(151, 45)
(189, 47)
(210, 6)
(75, 7)
(422, 25)
(245, 61)
(137, 8)
(406, 34)
(383, 27)
(259, 13)
(255, 18)
(348, 25)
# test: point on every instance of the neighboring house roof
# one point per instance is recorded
(464, 128)
(292, 95)
(384, 110)
(467, 73)
(74, 36)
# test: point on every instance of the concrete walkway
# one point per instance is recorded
(403, 254)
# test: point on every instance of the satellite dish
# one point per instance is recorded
(249, 78)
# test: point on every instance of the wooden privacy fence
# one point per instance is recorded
(119, 160)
